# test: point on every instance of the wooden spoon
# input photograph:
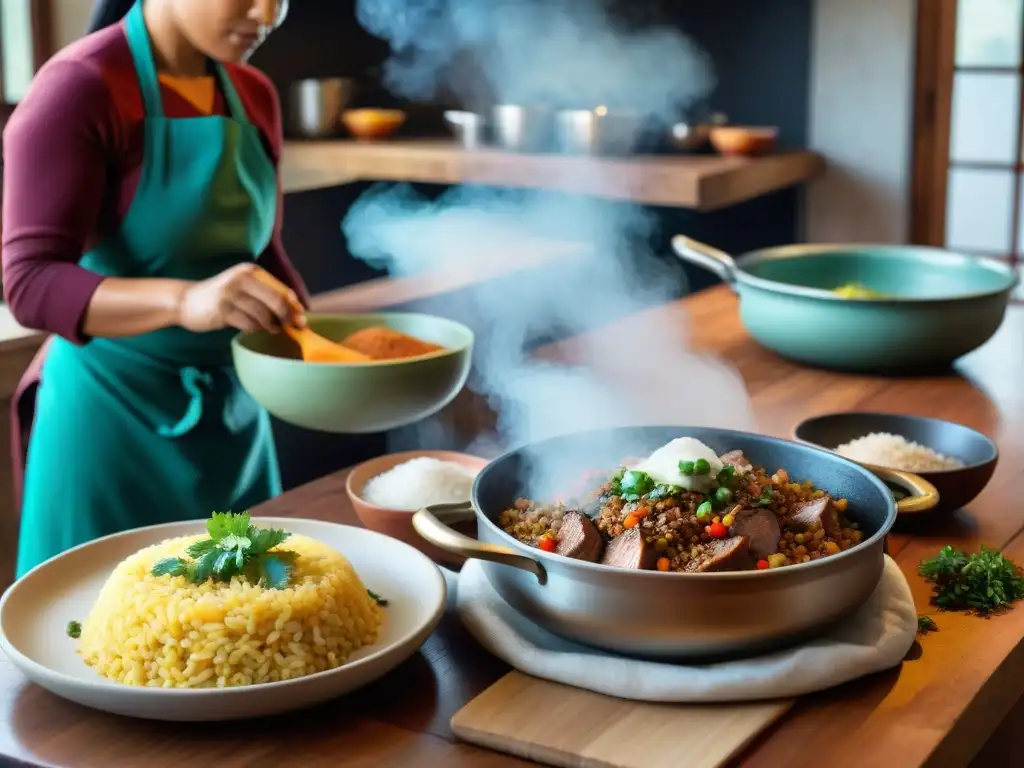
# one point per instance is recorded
(314, 347)
(317, 349)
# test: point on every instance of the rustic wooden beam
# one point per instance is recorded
(933, 104)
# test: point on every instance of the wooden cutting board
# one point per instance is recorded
(572, 728)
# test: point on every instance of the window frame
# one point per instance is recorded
(41, 15)
(935, 72)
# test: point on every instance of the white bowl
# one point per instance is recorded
(35, 611)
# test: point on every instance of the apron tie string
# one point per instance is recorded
(191, 379)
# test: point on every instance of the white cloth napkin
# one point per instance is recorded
(877, 637)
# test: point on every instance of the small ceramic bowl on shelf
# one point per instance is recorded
(372, 124)
(957, 487)
(739, 140)
(397, 523)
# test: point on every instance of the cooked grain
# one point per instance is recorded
(164, 631)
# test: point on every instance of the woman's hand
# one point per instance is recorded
(245, 297)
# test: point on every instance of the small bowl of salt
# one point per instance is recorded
(957, 460)
(386, 491)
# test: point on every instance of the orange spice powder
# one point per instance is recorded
(382, 343)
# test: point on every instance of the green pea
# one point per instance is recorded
(704, 510)
(701, 467)
(686, 467)
(723, 495)
(661, 544)
(725, 476)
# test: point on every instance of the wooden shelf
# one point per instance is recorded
(701, 182)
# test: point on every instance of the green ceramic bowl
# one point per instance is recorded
(938, 305)
(355, 398)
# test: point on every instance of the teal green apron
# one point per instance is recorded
(156, 428)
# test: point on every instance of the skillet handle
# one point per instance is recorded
(695, 252)
(429, 524)
(923, 495)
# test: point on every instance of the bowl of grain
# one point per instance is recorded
(957, 460)
(386, 491)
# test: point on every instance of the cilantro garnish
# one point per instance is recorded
(235, 547)
(984, 582)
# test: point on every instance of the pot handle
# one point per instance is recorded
(429, 524)
(923, 495)
(696, 252)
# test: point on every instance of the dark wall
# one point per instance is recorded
(761, 53)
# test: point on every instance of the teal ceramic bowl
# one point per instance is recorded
(938, 305)
(355, 398)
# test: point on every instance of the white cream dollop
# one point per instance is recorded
(663, 464)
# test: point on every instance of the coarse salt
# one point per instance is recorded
(420, 482)
(896, 452)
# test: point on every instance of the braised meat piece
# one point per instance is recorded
(736, 459)
(818, 510)
(761, 527)
(732, 554)
(579, 538)
(629, 550)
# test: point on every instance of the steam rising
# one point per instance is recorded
(554, 52)
(645, 377)
(563, 53)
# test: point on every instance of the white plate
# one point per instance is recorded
(35, 611)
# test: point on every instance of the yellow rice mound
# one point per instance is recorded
(164, 631)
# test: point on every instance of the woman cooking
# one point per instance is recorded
(142, 228)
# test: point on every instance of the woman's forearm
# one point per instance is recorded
(131, 306)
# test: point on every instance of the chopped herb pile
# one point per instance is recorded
(235, 548)
(926, 624)
(379, 600)
(632, 484)
(74, 630)
(984, 582)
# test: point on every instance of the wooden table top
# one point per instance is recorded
(937, 709)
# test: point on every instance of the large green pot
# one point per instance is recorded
(355, 398)
(938, 306)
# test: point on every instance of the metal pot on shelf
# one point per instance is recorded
(467, 127)
(598, 131)
(522, 129)
(315, 106)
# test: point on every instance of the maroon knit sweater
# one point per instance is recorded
(72, 157)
